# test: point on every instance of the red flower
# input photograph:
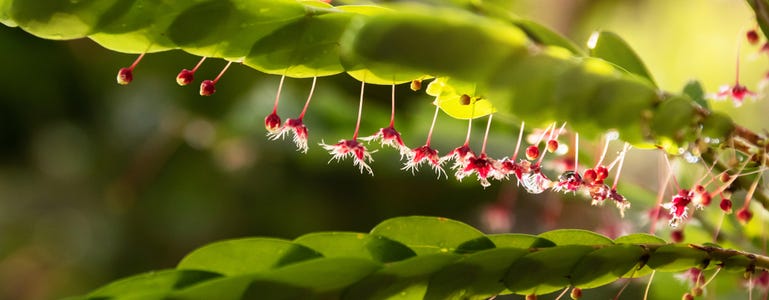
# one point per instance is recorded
(507, 166)
(298, 128)
(424, 154)
(678, 207)
(353, 149)
(737, 93)
(388, 136)
(482, 166)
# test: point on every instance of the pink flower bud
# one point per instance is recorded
(185, 77)
(532, 152)
(125, 76)
(207, 88)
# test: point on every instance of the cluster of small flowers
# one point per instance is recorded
(698, 197)
(466, 162)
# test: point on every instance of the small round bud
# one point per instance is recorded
(696, 291)
(576, 293)
(677, 236)
(687, 296)
(207, 88)
(726, 205)
(532, 152)
(601, 173)
(752, 36)
(125, 76)
(272, 123)
(552, 146)
(744, 215)
(589, 176)
(464, 99)
(725, 177)
(185, 77)
(416, 85)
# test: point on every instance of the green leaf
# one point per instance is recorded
(547, 270)
(405, 279)
(427, 235)
(575, 237)
(306, 47)
(474, 277)
(640, 238)
(605, 265)
(519, 240)
(717, 126)
(676, 258)
(673, 122)
(225, 288)
(58, 19)
(317, 279)
(545, 36)
(244, 256)
(199, 29)
(694, 90)
(353, 244)
(430, 41)
(156, 282)
(611, 47)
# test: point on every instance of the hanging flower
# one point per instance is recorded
(388, 136)
(351, 148)
(424, 154)
(678, 207)
(482, 166)
(298, 128)
(737, 93)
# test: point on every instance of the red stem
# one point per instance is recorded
(486, 135)
(392, 114)
(195, 69)
(222, 72)
(136, 62)
(432, 126)
(518, 144)
(277, 96)
(307, 103)
(360, 111)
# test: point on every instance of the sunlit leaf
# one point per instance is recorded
(245, 256)
(433, 235)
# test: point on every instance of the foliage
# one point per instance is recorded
(418, 258)
(510, 67)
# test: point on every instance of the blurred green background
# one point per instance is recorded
(100, 181)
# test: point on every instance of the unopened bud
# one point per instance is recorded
(464, 99)
(744, 215)
(207, 88)
(752, 36)
(185, 77)
(726, 205)
(416, 85)
(576, 293)
(532, 152)
(272, 123)
(124, 76)
(552, 146)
